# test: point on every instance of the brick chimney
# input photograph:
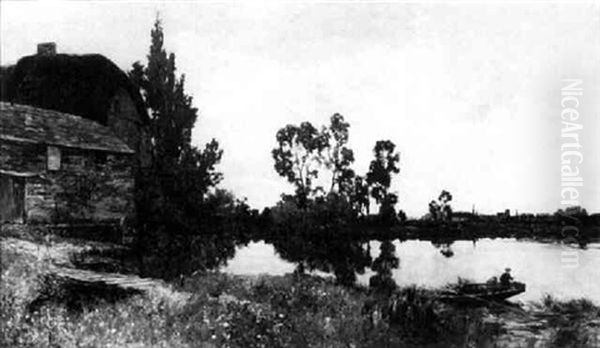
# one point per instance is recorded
(46, 49)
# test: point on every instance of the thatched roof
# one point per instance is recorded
(76, 84)
(27, 124)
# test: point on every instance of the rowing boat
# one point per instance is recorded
(483, 291)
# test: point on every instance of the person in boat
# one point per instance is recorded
(506, 278)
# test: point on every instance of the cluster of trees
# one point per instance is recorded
(311, 226)
(441, 210)
(318, 162)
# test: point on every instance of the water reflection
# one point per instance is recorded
(424, 265)
(383, 282)
(444, 246)
(344, 257)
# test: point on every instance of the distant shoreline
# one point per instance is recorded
(539, 230)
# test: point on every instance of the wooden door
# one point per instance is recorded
(12, 198)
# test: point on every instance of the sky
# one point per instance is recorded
(469, 93)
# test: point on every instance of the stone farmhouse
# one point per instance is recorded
(73, 140)
(61, 168)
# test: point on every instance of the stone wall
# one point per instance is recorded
(22, 157)
(89, 187)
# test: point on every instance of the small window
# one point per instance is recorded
(53, 158)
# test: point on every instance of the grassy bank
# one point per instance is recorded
(225, 310)
(572, 323)
(264, 311)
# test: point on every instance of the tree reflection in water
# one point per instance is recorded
(444, 245)
(343, 256)
(383, 282)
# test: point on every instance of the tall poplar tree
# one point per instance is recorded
(170, 195)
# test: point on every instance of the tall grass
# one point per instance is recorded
(225, 310)
(570, 321)
(135, 321)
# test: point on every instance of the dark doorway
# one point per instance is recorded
(12, 199)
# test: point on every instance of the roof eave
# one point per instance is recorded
(67, 145)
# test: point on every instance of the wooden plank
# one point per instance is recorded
(110, 279)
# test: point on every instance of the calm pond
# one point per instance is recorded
(541, 266)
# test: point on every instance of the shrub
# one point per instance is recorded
(568, 320)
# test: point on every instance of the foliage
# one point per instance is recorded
(304, 153)
(359, 196)
(317, 237)
(304, 150)
(331, 213)
(413, 313)
(309, 311)
(441, 210)
(135, 322)
(339, 157)
(570, 321)
(172, 119)
(379, 177)
(312, 227)
(575, 216)
(402, 216)
(232, 311)
(298, 156)
(179, 231)
(264, 311)
(33, 314)
(279, 311)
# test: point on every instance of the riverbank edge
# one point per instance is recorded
(263, 310)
